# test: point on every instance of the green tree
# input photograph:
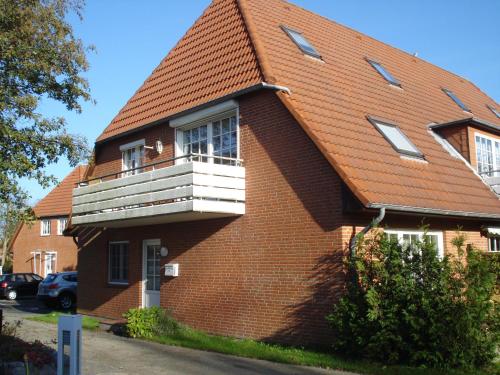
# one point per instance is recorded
(10, 218)
(408, 306)
(40, 59)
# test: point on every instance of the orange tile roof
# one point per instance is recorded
(214, 58)
(331, 99)
(237, 44)
(58, 201)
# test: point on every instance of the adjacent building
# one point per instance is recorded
(228, 188)
(40, 247)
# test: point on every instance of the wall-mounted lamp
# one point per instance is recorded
(163, 251)
(158, 147)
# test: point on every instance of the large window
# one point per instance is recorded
(409, 237)
(487, 155)
(61, 224)
(45, 227)
(118, 262)
(132, 157)
(215, 141)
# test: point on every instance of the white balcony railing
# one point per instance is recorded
(193, 190)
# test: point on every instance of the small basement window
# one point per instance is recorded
(494, 110)
(398, 140)
(384, 73)
(456, 100)
(301, 42)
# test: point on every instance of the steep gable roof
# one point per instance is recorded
(214, 58)
(332, 98)
(58, 201)
(238, 44)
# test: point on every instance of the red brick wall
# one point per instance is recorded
(260, 275)
(30, 240)
(271, 274)
(109, 158)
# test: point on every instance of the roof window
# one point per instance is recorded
(494, 110)
(301, 42)
(456, 100)
(384, 73)
(398, 140)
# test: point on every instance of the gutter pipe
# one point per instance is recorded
(354, 240)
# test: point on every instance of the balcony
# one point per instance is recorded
(202, 187)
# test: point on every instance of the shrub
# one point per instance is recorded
(405, 305)
(149, 322)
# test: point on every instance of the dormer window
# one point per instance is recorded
(384, 73)
(301, 42)
(398, 140)
(487, 155)
(495, 111)
(456, 100)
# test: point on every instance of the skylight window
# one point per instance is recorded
(384, 73)
(456, 100)
(494, 110)
(398, 140)
(301, 42)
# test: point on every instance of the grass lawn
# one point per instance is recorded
(53, 317)
(190, 338)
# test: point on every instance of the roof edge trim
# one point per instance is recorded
(434, 211)
(234, 94)
(469, 120)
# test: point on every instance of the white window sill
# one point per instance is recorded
(117, 283)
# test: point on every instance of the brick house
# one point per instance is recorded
(229, 186)
(41, 247)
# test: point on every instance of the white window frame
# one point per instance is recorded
(42, 227)
(137, 146)
(47, 255)
(496, 165)
(497, 250)
(117, 282)
(419, 233)
(61, 226)
(179, 134)
(36, 254)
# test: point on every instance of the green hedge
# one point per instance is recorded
(149, 322)
(405, 305)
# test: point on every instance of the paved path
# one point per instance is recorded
(107, 354)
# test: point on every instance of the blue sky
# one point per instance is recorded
(131, 38)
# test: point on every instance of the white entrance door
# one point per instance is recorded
(151, 273)
(50, 263)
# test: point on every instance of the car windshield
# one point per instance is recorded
(50, 277)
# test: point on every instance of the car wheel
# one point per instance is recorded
(12, 295)
(66, 301)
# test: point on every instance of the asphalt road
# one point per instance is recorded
(106, 354)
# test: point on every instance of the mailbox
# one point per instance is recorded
(172, 269)
(69, 344)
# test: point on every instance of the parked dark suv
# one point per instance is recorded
(59, 289)
(15, 285)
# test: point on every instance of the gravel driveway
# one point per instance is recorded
(105, 353)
